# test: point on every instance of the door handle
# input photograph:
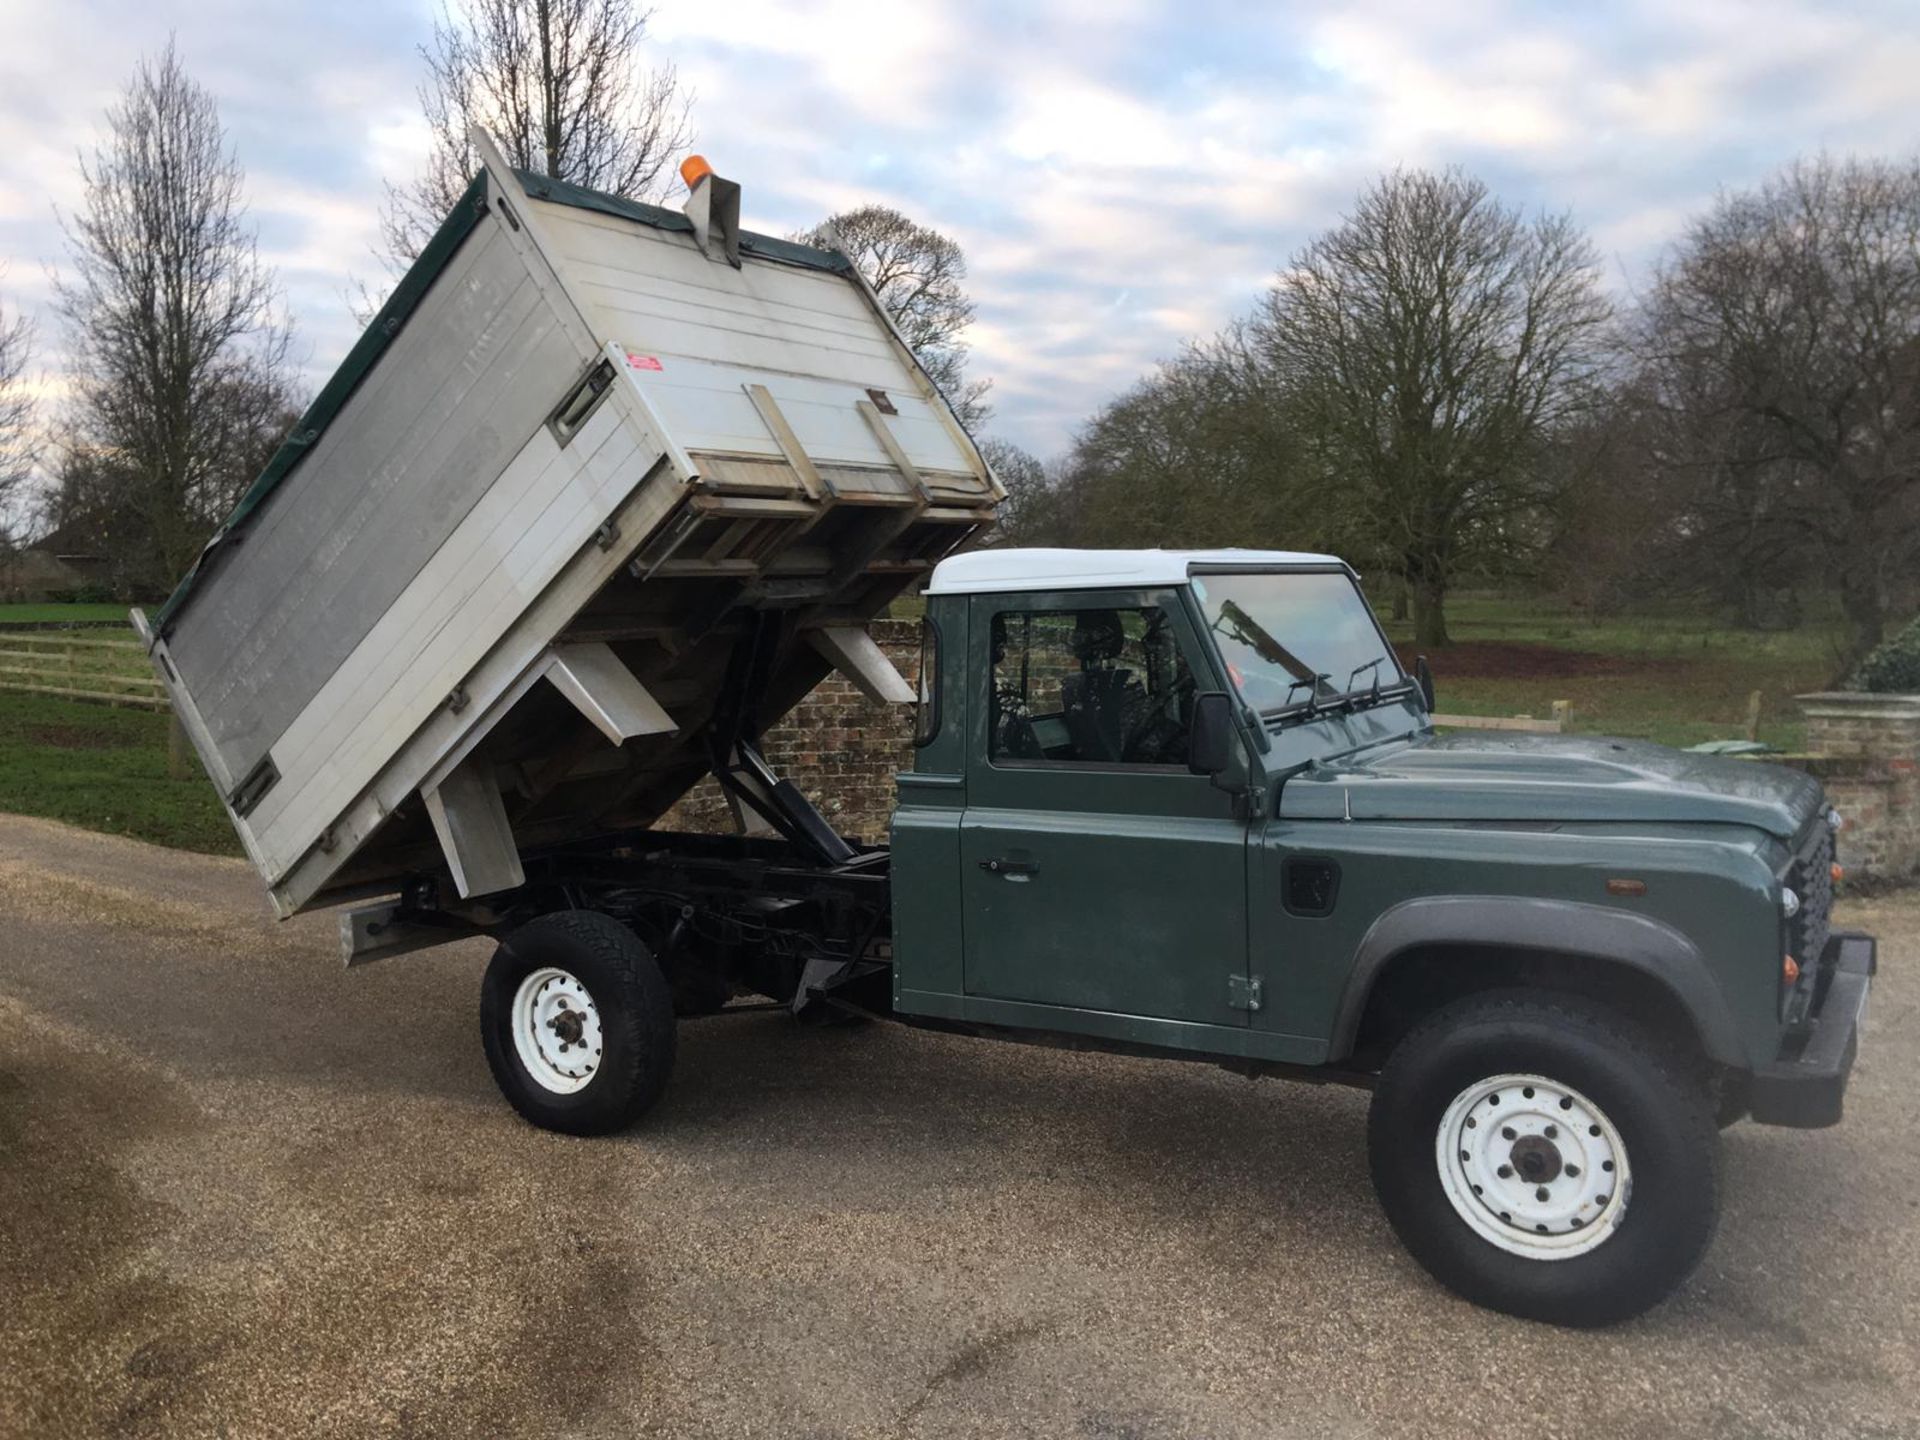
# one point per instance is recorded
(1009, 867)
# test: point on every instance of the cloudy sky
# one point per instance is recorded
(1123, 174)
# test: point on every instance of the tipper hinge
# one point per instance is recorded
(1243, 992)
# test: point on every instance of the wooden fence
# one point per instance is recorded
(1562, 720)
(79, 667)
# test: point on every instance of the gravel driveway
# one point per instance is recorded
(243, 1191)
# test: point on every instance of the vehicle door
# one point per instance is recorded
(1097, 872)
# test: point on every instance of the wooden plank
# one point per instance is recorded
(60, 640)
(877, 423)
(67, 673)
(137, 702)
(729, 539)
(752, 508)
(790, 447)
(706, 569)
(1525, 723)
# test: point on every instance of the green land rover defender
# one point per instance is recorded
(1189, 804)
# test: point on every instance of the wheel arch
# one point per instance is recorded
(1467, 942)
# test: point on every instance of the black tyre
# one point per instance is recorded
(578, 1023)
(1546, 1157)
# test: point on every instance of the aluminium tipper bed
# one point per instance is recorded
(489, 592)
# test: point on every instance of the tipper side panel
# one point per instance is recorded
(476, 369)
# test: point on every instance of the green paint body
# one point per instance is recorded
(1156, 901)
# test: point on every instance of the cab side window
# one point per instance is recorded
(1100, 687)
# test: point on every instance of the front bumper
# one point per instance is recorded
(1805, 1088)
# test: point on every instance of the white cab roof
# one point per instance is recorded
(984, 571)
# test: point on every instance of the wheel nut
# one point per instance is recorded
(1505, 1172)
(1553, 1132)
(1573, 1169)
(1541, 1193)
(1507, 1133)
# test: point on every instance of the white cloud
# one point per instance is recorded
(1124, 174)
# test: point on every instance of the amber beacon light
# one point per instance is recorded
(694, 169)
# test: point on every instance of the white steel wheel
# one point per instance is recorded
(1533, 1166)
(556, 1030)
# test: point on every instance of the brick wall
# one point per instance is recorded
(839, 747)
(1866, 750)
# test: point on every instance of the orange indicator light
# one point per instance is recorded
(694, 169)
(1790, 971)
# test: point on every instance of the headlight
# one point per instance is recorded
(1789, 903)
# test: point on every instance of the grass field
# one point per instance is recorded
(1676, 678)
(40, 614)
(106, 769)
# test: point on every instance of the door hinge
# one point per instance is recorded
(1243, 992)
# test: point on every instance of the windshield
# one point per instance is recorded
(1291, 638)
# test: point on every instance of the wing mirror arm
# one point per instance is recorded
(1423, 677)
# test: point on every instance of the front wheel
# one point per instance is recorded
(1545, 1157)
(577, 1021)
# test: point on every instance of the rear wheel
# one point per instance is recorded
(577, 1021)
(1546, 1158)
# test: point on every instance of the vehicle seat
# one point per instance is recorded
(1100, 703)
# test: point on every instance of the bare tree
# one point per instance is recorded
(1024, 514)
(1200, 452)
(178, 351)
(19, 449)
(1781, 349)
(559, 83)
(919, 275)
(1431, 345)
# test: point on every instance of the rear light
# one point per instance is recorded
(1790, 972)
(1839, 872)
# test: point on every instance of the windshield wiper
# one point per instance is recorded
(1313, 693)
(1359, 670)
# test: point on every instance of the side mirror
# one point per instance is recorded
(1210, 735)
(1423, 677)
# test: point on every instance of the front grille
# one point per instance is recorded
(1810, 876)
